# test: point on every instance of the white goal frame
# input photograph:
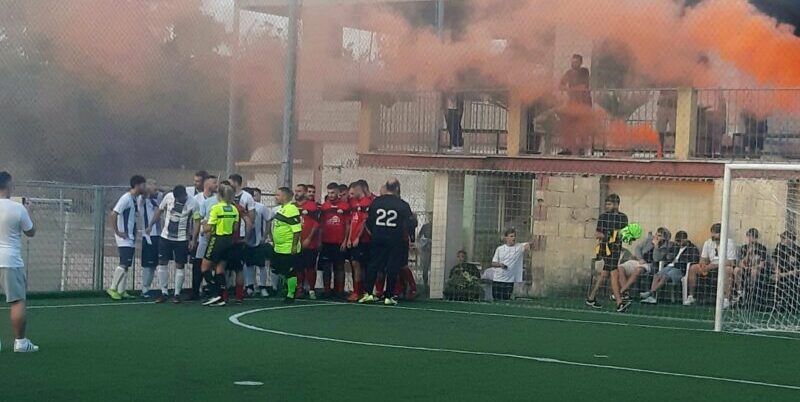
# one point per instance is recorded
(726, 204)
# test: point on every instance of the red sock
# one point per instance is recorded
(408, 277)
(225, 295)
(300, 280)
(311, 278)
(239, 292)
(357, 287)
(399, 287)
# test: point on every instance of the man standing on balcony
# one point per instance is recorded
(454, 112)
(576, 116)
(15, 220)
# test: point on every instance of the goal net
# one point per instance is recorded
(760, 288)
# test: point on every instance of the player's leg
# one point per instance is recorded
(392, 269)
(376, 260)
(166, 252)
(691, 282)
(118, 280)
(149, 264)
(263, 272)
(311, 273)
(338, 275)
(250, 268)
(14, 284)
(181, 255)
(600, 280)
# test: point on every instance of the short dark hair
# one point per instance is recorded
(236, 177)
(137, 180)
(613, 198)
(248, 190)
(354, 185)
(311, 186)
(5, 180)
(285, 191)
(509, 232)
(211, 176)
(343, 187)
(577, 56)
(179, 192)
(303, 186)
(363, 183)
(462, 252)
(716, 228)
(201, 173)
(225, 183)
(393, 186)
(752, 232)
(333, 186)
(681, 235)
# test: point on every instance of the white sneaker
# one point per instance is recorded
(650, 300)
(312, 295)
(250, 292)
(689, 301)
(25, 346)
(644, 295)
(264, 293)
(212, 300)
(726, 303)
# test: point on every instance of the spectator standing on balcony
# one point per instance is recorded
(752, 261)
(609, 250)
(15, 220)
(666, 114)
(709, 261)
(454, 112)
(576, 116)
(682, 254)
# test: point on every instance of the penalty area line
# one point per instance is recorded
(236, 320)
(54, 306)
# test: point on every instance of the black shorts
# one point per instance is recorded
(360, 254)
(172, 250)
(235, 260)
(126, 256)
(218, 248)
(388, 257)
(150, 252)
(256, 256)
(610, 262)
(283, 264)
(307, 259)
(331, 254)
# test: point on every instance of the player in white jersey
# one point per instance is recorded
(198, 184)
(123, 221)
(247, 212)
(177, 238)
(257, 252)
(209, 191)
(148, 204)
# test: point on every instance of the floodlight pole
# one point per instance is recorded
(289, 129)
(233, 106)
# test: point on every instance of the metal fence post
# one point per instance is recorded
(99, 237)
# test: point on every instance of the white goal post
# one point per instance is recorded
(731, 170)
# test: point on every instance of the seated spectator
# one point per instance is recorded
(787, 271)
(709, 261)
(752, 260)
(647, 256)
(509, 258)
(682, 254)
(464, 283)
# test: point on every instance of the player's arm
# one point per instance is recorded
(496, 260)
(213, 219)
(27, 223)
(197, 218)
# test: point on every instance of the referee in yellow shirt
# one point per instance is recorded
(286, 230)
(222, 218)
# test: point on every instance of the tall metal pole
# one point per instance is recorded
(440, 18)
(233, 104)
(287, 149)
(440, 121)
(723, 248)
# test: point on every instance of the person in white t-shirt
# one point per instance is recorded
(202, 199)
(15, 220)
(509, 257)
(709, 261)
(123, 221)
(148, 204)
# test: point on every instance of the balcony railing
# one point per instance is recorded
(620, 123)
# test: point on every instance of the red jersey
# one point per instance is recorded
(359, 212)
(335, 217)
(309, 219)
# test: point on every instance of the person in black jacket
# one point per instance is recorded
(682, 254)
(786, 260)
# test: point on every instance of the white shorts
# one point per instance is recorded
(632, 266)
(14, 283)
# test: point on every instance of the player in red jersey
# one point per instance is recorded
(359, 237)
(334, 223)
(307, 264)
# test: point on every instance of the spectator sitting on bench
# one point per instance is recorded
(753, 259)
(647, 255)
(787, 270)
(709, 261)
(682, 254)
(464, 283)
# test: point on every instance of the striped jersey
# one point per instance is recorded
(261, 225)
(149, 205)
(178, 217)
(126, 209)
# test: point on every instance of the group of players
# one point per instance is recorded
(232, 240)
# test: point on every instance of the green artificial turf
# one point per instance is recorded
(145, 352)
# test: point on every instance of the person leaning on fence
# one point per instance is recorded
(15, 220)
(464, 282)
(123, 221)
(681, 254)
(510, 258)
(648, 254)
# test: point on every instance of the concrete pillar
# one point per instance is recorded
(686, 123)
(470, 187)
(368, 121)
(517, 139)
(448, 211)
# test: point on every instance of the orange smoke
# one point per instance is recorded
(619, 135)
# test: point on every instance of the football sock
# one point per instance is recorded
(163, 278)
(262, 277)
(180, 275)
(119, 272)
(291, 287)
(147, 278)
(249, 275)
(311, 278)
(122, 282)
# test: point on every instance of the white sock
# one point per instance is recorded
(274, 280)
(179, 276)
(249, 275)
(230, 278)
(122, 286)
(163, 278)
(118, 274)
(262, 277)
(147, 278)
